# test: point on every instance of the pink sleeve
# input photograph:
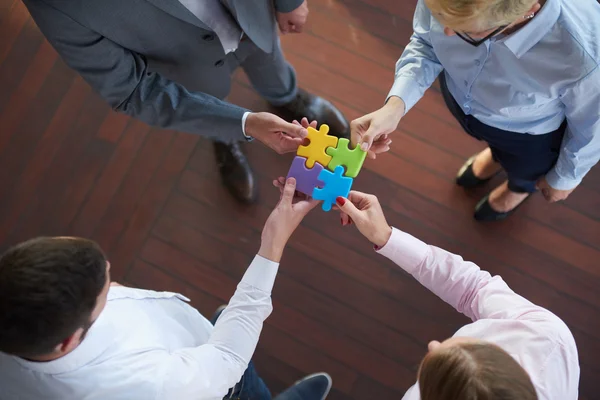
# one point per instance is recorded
(459, 283)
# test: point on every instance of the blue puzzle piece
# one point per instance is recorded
(336, 184)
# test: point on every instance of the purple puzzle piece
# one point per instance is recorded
(307, 179)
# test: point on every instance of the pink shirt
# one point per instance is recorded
(536, 338)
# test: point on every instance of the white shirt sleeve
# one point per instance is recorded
(244, 117)
(210, 370)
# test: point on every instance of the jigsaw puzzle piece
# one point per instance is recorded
(352, 159)
(335, 185)
(307, 179)
(319, 142)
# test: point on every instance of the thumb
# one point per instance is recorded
(367, 139)
(347, 207)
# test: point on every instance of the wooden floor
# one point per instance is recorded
(153, 200)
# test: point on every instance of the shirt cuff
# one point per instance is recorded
(559, 183)
(261, 274)
(244, 117)
(405, 250)
(408, 89)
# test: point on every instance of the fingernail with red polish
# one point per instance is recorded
(340, 201)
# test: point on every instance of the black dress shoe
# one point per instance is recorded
(313, 387)
(317, 109)
(466, 177)
(485, 212)
(236, 172)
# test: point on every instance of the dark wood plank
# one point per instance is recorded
(147, 211)
(125, 201)
(15, 203)
(55, 178)
(13, 18)
(110, 180)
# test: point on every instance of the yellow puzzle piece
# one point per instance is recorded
(319, 142)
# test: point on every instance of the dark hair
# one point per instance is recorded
(48, 289)
(473, 371)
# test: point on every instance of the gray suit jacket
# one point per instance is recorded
(153, 59)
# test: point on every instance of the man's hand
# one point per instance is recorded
(283, 221)
(371, 132)
(293, 21)
(550, 194)
(281, 136)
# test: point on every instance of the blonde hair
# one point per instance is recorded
(473, 371)
(479, 14)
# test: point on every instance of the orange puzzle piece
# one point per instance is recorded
(319, 142)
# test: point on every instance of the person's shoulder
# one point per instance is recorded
(578, 22)
(551, 327)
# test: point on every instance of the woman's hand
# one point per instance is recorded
(366, 213)
(371, 132)
(283, 221)
(550, 194)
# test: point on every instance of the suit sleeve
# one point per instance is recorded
(285, 6)
(122, 78)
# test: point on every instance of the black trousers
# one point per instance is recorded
(524, 157)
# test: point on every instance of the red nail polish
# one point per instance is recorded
(340, 200)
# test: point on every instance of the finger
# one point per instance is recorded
(284, 26)
(279, 182)
(305, 123)
(288, 191)
(378, 148)
(356, 130)
(359, 198)
(304, 206)
(289, 145)
(367, 139)
(313, 124)
(345, 219)
(290, 129)
(347, 207)
(547, 194)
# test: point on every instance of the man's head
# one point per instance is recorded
(480, 18)
(51, 291)
(470, 369)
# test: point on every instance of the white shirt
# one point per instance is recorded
(214, 15)
(150, 345)
(537, 339)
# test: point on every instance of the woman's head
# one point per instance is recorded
(480, 17)
(470, 369)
